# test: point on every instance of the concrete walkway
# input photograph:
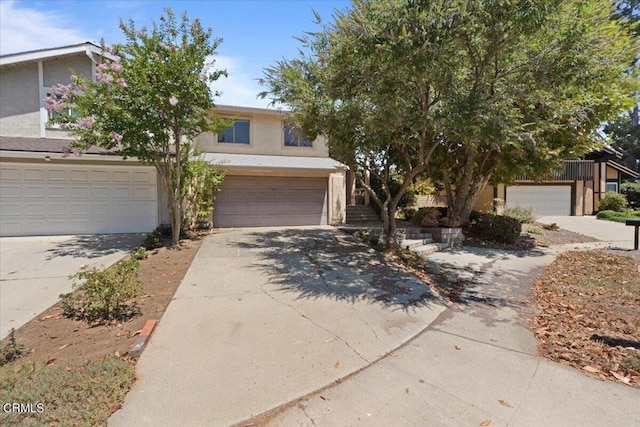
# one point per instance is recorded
(35, 270)
(476, 365)
(615, 234)
(264, 317)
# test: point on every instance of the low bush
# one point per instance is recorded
(157, 237)
(12, 350)
(617, 216)
(632, 192)
(523, 214)
(140, 253)
(426, 217)
(535, 230)
(612, 201)
(104, 294)
(496, 228)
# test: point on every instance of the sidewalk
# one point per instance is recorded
(474, 365)
(615, 234)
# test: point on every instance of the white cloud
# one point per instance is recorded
(23, 29)
(240, 88)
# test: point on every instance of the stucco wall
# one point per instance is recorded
(267, 138)
(58, 71)
(19, 101)
(485, 200)
(337, 199)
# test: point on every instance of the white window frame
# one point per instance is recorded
(607, 184)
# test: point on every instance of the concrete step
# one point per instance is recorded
(416, 235)
(431, 248)
(415, 243)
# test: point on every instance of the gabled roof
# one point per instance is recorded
(56, 52)
(624, 170)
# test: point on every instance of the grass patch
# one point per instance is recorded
(84, 395)
(590, 314)
(617, 216)
(535, 230)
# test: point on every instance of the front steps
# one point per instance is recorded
(361, 213)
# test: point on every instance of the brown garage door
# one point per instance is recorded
(251, 201)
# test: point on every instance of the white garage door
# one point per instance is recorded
(46, 199)
(245, 201)
(544, 199)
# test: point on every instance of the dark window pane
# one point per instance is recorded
(226, 135)
(305, 143)
(289, 137)
(242, 132)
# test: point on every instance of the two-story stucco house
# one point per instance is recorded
(274, 176)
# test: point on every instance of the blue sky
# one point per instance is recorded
(256, 33)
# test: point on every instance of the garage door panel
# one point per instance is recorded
(270, 201)
(544, 199)
(74, 199)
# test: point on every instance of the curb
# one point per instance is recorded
(141, 340)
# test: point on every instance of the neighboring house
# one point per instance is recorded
(576, 190)
(274, 177)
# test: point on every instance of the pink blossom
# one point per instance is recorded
(104, 77)
(102, 67)
(116, 136)
(53, 103)
(122, 83)
(173, 101)
(116, 67)
(85, 122)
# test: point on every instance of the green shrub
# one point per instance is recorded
(157, 237)
(496, 228)
(426, 217)
(523, 214)
(612, 201)
(632, 192)
(104, 294)
(614, 216)
(12, 350)
(140, 253)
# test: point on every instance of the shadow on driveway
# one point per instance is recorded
(95, 246)
(320, 263)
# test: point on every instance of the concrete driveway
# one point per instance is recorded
(265, 316)
(35, 270)
(614, 233)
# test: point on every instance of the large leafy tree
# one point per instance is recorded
(625, 130)
(537, 80)
(150, 98)
(462, 91)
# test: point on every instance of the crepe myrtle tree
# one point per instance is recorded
(149, 101)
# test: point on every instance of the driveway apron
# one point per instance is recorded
(265, 316)
(35, 270)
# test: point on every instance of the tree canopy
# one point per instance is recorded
(458, 91)
(150, 101)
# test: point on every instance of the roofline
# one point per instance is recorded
(248, 110)
(624, 169)
(38, 55)
(48, 155)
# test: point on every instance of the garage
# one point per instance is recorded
(544, 199)
(259, 201)
(58, 199)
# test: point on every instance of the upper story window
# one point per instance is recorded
(239, 133)
(293, 138)
(54, 116)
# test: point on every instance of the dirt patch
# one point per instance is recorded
(590, 314)
(553, 237)
(52, 337)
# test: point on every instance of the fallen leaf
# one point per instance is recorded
(136, 333)
(49, 316)
(64, 346)
(116, 354)
(337, 365)
(621, 377)
(406, 390)
(115, 407)
(457, 347)
(421, 381)
(503, 402)
(50, 361)
(591, 369)
(324, 398)
(485, 423)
